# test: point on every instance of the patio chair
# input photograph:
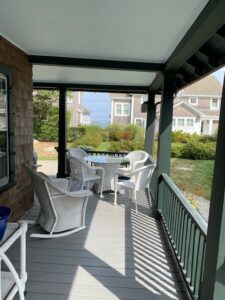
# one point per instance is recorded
(84, 174)
(62, 212)
(140, 180)
(136, 160)
(77, 153)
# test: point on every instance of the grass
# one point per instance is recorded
(104, 146)
(194, 176)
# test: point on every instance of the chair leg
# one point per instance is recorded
(149, 197)
(101, 195)
(135, 200)
(115, 192)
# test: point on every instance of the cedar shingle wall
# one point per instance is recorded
(20, 197)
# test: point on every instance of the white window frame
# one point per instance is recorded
(122, 109)
(194, 104)
(186, 122)
(142, 121)
(174, 122)
(178, 122)
(218, 103)
(5, 180)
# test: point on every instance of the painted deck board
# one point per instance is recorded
(120, 255)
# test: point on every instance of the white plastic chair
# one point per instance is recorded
(61, 212)
(77, 153)
(81, 172)
(140, 180)
(136, 160)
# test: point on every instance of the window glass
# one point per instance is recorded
(215, 103)
(138, 122)
(174, 122)
(193, 100)
(118, 109)
(126, 109)
(180, 122)
(4, 159)
(190, 122)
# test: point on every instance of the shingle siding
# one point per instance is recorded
(20, 197)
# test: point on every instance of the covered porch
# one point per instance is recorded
(135, 47)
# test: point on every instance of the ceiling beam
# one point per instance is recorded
(92, 87)
(211, 19)
(95, 63)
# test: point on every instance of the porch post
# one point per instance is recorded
(150, 125)
(165, 125)
(213, 286)
(62, 134)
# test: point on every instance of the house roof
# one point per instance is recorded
(118, 44)
(207, 86)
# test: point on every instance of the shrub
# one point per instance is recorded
(207, 138)
(74, 133)
(179, 136)
(135, 132)
(116, 135)
(86, 148)
(114, 127)
(198, 150)
(125, 145)
(105, 135)
(176, 149)
(89, 140)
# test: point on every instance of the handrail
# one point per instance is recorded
(186, 230)
(110, 153)
(200, 221)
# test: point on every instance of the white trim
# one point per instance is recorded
(120, 97)
(122, 109)
(218, 103)
(200, 95)
(185, 122)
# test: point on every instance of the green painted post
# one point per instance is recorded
(213, 285)
(165, 125)
(62, 134)
(150, 126)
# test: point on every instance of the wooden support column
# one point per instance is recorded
(213, 286)
(150, 126)
(165, 125)
(62, 134)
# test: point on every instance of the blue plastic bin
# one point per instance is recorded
(5, 213)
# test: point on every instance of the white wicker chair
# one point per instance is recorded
(81, 173)
(61, 212)
(136, 160)
(77, 153)
(140, 180)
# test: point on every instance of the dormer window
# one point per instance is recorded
(214, 104)
(193, 100)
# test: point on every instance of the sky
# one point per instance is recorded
(99, 104)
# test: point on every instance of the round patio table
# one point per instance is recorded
(110, 165)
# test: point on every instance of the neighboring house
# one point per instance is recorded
(126, 109)
(196, 108)
(79, 114)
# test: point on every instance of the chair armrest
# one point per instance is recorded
(81, 193)
(142, 168)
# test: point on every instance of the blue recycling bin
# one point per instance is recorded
(5, 213)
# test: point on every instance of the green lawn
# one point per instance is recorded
(104, 146)
(193, 176)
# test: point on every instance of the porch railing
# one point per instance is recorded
(109, 153)
(186, 230)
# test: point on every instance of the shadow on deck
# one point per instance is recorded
(120, 255)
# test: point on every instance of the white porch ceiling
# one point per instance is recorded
(130, 30)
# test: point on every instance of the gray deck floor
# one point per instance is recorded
(120, 255)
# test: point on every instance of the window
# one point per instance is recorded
(193, 100)
(174, 122)
(140, 122)
(6, 162)
(144, 98)
(190, 122)
(180, 122)
(214, 103)
(122, 109)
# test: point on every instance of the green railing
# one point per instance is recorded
(186, 230)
